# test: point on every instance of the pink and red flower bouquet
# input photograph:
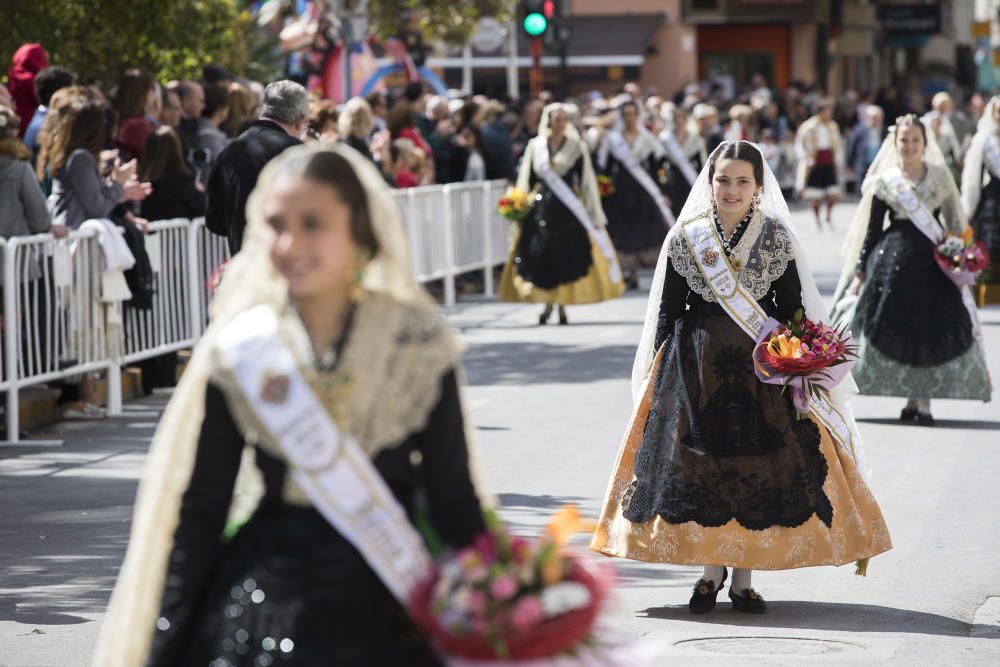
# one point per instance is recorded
(810, 358)
(962, 258)
(508, 598)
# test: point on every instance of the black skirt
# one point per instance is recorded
(719, 444)
(907, 308)
(635, 223)
(986, 224)
(554, 248)
(289, 590)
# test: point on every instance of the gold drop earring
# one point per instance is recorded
(756, 199)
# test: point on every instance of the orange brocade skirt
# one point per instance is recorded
(857, 531)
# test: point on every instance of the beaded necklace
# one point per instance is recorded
(727, 243)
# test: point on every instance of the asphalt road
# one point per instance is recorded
(549, 406)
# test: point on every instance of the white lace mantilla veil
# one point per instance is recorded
(644, 139)
(250, 279)
(887, 157)
(590, 196)
(524, 173)
(972, 172)
(772, 206)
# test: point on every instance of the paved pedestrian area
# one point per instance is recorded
(549, 406)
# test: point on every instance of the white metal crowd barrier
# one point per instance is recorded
(55, 326)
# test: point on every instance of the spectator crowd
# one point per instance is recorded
(156, 150)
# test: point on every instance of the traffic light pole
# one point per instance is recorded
(536, 67)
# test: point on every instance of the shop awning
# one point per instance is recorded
(599, 40)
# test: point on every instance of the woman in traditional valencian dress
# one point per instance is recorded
(820, 152)
(686, 152)
(981, 187)
(327, 380)
(917, 333)
(716, 469)
(638, 215)
(561, 253)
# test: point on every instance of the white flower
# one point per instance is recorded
(951, 246)
(563, 597)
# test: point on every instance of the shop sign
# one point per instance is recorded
(911, 19)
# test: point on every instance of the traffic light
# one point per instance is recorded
(535, 24)
(537, 16)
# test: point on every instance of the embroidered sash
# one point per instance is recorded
(569, 199)
(623, 154)
(703, 241)
(924, 220)
(678, 157)
(328, 465)
(991, 150)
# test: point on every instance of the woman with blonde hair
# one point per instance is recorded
(243, 108)
(561, 253)
(917, 332)
(355, 125)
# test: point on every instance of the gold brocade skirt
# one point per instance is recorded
(594, 287)
(857, 531)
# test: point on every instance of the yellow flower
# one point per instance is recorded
(786, 347)
(567, 521)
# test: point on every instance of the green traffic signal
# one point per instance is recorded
(535, 24)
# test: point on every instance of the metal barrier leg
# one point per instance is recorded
(449, 246)
(114, 388)
(487, 223)
(13, 418)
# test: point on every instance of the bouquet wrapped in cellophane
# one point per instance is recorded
(808, 358)
(507, 600)
(962, 258)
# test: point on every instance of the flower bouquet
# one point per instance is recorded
(810, 358)
(514, 205)
(961, 258)
(605, 185)
(511, 599)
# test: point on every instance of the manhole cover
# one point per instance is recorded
(769, 645)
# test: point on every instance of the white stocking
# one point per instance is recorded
(924, 406)
(713, 573)
(741, 580)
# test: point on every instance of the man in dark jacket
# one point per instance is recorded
(283, 117)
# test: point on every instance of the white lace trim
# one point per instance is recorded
(933, 191)
(763, 255)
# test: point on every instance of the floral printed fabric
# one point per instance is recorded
(858, 530)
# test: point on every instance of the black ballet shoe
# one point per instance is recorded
(703, 598)
(562, 317)
(908, 414)
(748, 601)
(925, 419)
(544, 317)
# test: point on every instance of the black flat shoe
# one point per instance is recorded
(748, 601)
(908, 414)
(925, 419)
(703, 598)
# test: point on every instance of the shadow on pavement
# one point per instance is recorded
(961, 424)
(828, 616)
(66, 519)
(522, 363)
